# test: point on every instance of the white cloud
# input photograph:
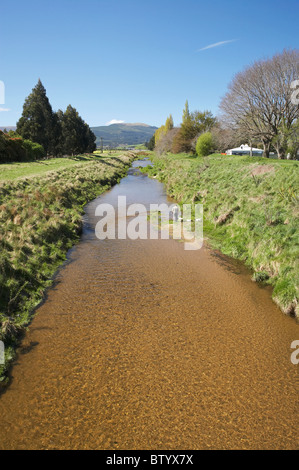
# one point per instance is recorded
(114, 121)
(216, 44)
(4, 109)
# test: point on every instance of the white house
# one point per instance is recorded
(244, 149)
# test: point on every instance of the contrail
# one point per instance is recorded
(221, 43)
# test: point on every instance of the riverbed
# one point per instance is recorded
(141, 344)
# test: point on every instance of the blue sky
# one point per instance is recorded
(135, 60)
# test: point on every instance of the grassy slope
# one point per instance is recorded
(40, 219)
(12, 171)
(251, 208)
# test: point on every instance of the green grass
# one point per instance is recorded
(109, 153)
(12, 171)
(251, 209)
(40, 219)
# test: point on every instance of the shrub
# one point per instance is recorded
(204, 144)
(34, 151)
(14, 149)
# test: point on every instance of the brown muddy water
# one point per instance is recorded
(143, 345)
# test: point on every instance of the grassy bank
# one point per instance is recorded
(251, 209)
(12, 171)
(40, 219)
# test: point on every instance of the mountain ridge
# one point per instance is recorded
(121, 134)
(115, 135)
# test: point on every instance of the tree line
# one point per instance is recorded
(261, 108)
(184, 138)
(59, 133)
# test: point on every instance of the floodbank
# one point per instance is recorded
(40, 220)
(251, 209)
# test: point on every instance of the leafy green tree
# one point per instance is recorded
(204, 144)
(164, 129)
(192, 125)
(34, 151)
(186, 114)
(38, 122)
(169, 124)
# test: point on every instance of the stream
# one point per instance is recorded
(141, 344)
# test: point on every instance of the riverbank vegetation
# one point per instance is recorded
(251, 204)
(40, 219)
(13, 148)
(251, 209)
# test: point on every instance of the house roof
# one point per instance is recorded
(244, 147)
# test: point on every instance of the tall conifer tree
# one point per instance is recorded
(76, 135)
(38, 122)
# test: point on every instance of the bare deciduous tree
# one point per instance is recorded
(165, 143)
(259, 100)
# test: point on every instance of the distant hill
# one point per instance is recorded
(8, 128)
(123, 134)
